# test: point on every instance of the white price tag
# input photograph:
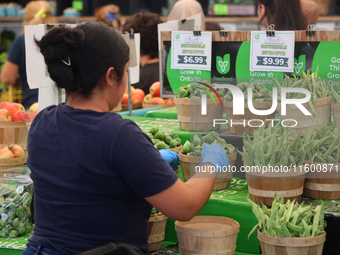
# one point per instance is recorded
(272, 53)
(189, 51)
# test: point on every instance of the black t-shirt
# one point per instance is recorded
(17, 56)
(149, 74)
(91, 171)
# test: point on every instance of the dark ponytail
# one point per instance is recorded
(77, 58)
(284, 14)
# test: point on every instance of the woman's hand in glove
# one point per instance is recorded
(215, 155)
(171, 157)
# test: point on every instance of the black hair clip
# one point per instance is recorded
(270, 31)
(223, 32)
(132, 35)
(197, 32)
(310, 32)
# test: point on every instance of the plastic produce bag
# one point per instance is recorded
(16, 188)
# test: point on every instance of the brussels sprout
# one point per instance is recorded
(159, 135)
(173, 143)
(186, 148)
(168, 133)
(154, 211)
(2, 233)
(21, 213)
(208, 139)
(161, 145)
(10, 215)
(7, 230)
(2, 224)
(199, 147)
(28, 227)
(168, 140)
(197, 141)
(241, 87)
(155, 141)
(21, 229)
(265, 92)
(167, 147)
(149, 135)
(17, 198)
(154, 130)
(178, 140)
(15, 223)
(192, 147)
(12, 206)
(259, 86)
(228, 98)
(267, 99)
(183, 93)
(13, 233)
(197, 153)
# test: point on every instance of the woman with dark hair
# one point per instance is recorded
(287, 14)
(96, 176)
(146, 23)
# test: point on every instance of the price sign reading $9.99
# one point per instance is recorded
(272, 61)
(182, 59)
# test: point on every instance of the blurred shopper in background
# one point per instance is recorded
(287, 14)
(14, 70)
(146, 23)
(109, 14)
(185, 8)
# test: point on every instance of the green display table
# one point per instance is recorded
(13, 246)
(166, 124)
(166, 113)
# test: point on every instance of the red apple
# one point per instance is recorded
(17, 150)
(155, 89)
(34, 107)
(125, 99)
(19, 116)
(147, 99)
(6, 153)
(18, 107)
(4, 115)
(132, 89)
(136, 99)
(170, 101)
(9, 107)
(138, 92)
(157, 101)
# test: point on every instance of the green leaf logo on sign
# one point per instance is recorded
(223, 65)
(257, 37)
(299, 65)
(177, 37)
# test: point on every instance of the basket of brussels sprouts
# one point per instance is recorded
(262, 100)
(15, 203)
(157, 224)
(189, 107)
(190, 158)
(165, 140)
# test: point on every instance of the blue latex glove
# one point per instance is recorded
(215, 155)
(171, 157)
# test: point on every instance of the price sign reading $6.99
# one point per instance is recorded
(191, 51)
(192, 60)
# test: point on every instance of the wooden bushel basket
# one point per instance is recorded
(322, 114)
(207, 235)
(324, 185)
(8, 163)
(263, 187)
(13, 132)
(336, 114)
(189, 164)
(189, 114)
(239, 129)
(291, 245)
(157, 224)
